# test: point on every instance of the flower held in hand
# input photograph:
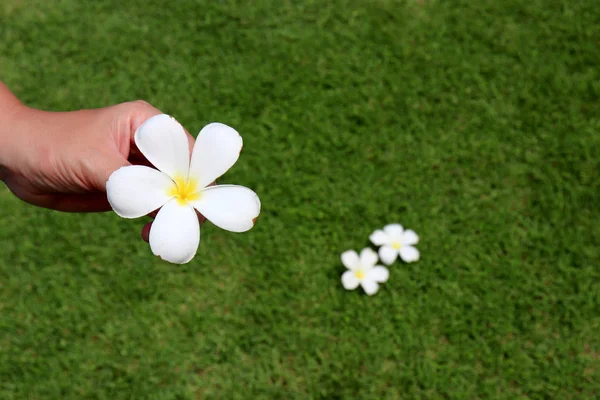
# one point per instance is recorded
(179, 186)
(363, 271)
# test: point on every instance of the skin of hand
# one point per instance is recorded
(62, 160)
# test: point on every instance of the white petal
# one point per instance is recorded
(217, 148)
(370, 287)
(378, 274)
(379, 238)
(368, 257)
(394, 231)
(409, 253)
(350, 259)
(387, 254)
(163, 141)
(135, 190)
(349, 280)
(230, 207)
(409, 237)
(175, 233)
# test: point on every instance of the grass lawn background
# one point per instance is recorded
(474, 123)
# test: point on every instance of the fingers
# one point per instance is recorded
(146, 232)
(94, 202)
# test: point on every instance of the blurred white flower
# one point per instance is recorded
(180, 186)
(394, 241)
(363, 271)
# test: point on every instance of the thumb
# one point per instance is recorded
(105, 164)
(131, 116)
(118, 148)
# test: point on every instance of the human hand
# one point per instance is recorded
(62, 160)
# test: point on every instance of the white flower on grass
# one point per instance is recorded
(394, 241)
(180, 186)
(363, 271)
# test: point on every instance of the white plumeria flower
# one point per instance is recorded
(180, 185)
(363, 271)
(394, 241)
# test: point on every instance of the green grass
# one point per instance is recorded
(475, 123)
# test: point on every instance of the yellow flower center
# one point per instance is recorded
(396, 245)
(184, 191)
(359, 275)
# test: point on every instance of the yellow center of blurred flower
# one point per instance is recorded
(396, 245)
(359, 275)
(185, 191)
